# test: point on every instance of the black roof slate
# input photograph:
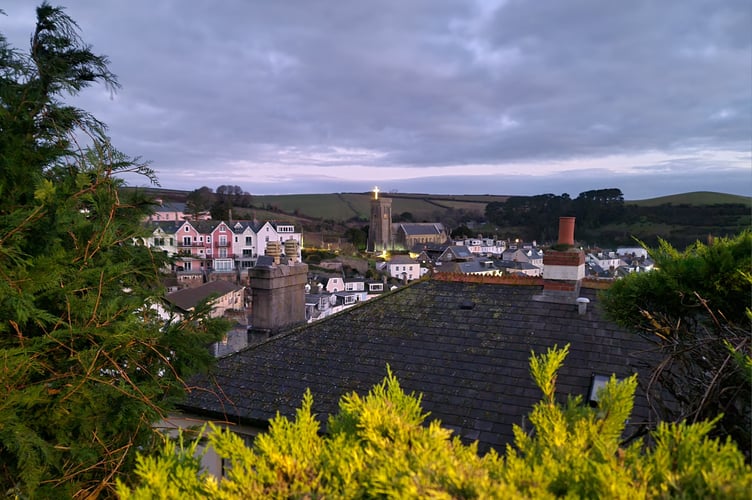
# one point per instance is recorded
(469, 361)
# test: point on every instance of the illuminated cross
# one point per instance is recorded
(376, 193)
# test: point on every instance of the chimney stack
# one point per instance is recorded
(278, 297)
(563, 267)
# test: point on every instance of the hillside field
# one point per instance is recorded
(346, 206)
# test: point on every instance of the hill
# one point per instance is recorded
(680, 219)
(694, 198)
(356, 206)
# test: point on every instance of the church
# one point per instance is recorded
(385, 236)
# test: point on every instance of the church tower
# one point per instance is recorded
(380, 230)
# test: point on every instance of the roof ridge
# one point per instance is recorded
(303, 326)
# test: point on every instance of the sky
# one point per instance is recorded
(505, 97)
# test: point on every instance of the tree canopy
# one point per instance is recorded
(380, 445)
(87, 366)
(695, 308)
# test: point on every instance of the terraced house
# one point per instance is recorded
(218, 247)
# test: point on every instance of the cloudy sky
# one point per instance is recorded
(437, 96)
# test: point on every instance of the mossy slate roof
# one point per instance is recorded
(465, 346)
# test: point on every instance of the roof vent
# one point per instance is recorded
(582, 303)
(467, 305)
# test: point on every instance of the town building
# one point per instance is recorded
(404, 268)
(409, 234)
(214, 249)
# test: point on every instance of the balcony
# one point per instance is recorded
(192, 244)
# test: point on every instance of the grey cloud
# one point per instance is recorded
(423, 83)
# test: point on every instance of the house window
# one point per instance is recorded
(350, 299)
(249, 240)
(223, 240)
(208, 239)
(186, 229)
(187, 241)
(223, 265)
(159, 242)
(247, 252)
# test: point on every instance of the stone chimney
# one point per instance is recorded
(563, 266)
(278, 297)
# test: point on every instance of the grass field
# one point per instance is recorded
(694, 198)
(345, 206)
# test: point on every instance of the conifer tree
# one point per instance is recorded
(380, 446)
(86, 367)
(695, 308)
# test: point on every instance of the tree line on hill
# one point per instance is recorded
(218, 203)
(604, 217)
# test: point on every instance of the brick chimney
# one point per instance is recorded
(563, 266)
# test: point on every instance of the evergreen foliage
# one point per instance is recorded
(380, 445)
(86, 368)
(695, 308)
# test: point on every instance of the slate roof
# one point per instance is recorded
(464, 344)
(429, 248)
(465, 267)
(402, 259)
(169, 227)
(421, 228)
(187, 298)
(456, 252)
(514, 264)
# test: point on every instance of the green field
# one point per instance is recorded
(694, 198)
(345, 206)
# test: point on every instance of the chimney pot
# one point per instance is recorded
(566, 231)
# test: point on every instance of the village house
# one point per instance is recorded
(404, 268)
(486, 247)
(533, 256)
(173, 211)
(604, 259)
(523, 268)
(463, 342)
(224, 299)
(221, 249)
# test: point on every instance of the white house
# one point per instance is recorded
(404, 268)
